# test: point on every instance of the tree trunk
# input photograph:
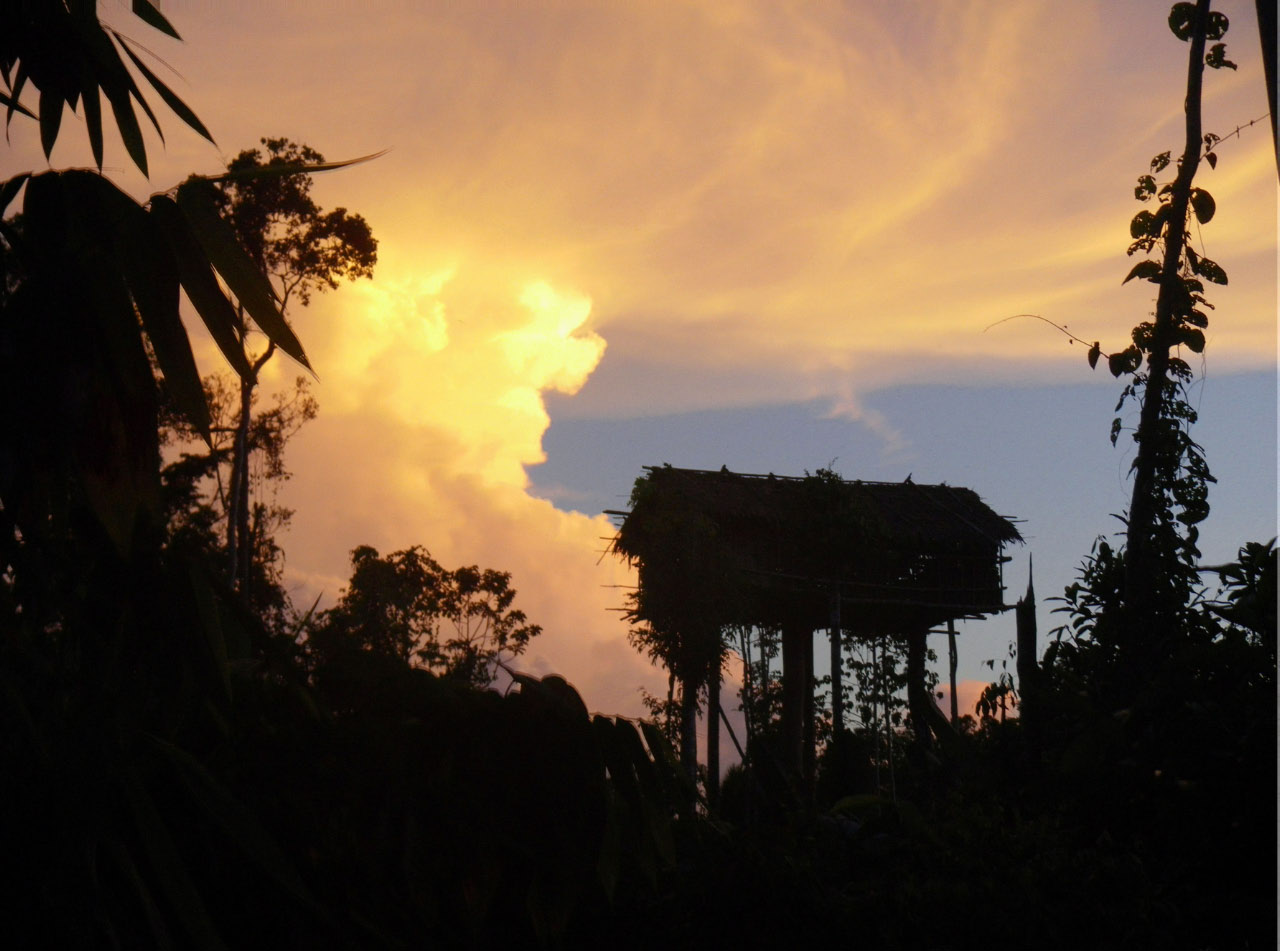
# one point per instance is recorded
(238, 510)
(1267, 34)
(1140, 578)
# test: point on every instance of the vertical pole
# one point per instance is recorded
(951, 647)
(875, 707)
(809, 757)
(888, 739)
(689, 727)
(917, 693)
(795, 684)
(1028, 668)
(837, 673)
(713, 737)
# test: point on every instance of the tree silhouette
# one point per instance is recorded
(196, 490)
(457, 623)
(302, 250)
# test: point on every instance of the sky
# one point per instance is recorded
(772, 236)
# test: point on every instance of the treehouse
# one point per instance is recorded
(715, 549)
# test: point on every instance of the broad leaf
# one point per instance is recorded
(1216, 58)
(1094, 352)
(1203, 205)
(1211, 271)
(1148, 269)
(1192, 339)
(1182, 20)
(1144, 223)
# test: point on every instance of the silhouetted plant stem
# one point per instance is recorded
(1153, 447)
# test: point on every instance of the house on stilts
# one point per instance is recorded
(715, 549)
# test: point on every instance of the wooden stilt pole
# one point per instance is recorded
(951, 648)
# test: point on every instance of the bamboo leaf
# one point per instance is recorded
(180, 108)
(93, 121)
(144, 10)
(114, 444)
(152, 276)
(276, 171)
(249, 285)
(10, 188)
(12, 105)
(127, 123)
(51, 104)
(196, 276)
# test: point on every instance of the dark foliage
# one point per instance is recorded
(457, 623)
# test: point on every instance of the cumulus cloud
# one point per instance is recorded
(431, 408)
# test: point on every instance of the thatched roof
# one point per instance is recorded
(723, 547)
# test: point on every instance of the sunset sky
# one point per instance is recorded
(743, 232)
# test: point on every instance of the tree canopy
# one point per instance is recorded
(458, 623)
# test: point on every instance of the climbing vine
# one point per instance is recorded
(1171, 476)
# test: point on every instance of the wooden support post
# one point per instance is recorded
(713, 738)
(809, 758)
(1028, 667)
(917, 694)
(689, 727)
(797, 691)
(837, 673)
(951, 656)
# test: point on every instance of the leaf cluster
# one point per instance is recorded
(267, 199)
(63, 51)
(458, 623)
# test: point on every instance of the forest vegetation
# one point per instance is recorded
(188, 759)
